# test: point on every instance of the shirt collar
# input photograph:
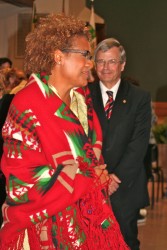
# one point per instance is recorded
(114, 89)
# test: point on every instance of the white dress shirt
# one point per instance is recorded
(113, 89)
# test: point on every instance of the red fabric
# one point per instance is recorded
(52, 189)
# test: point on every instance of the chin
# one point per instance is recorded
(86, 83)
(83, 84)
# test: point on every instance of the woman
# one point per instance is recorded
(56, 180)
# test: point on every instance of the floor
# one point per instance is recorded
(153, 232)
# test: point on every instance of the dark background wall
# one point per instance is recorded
(141, 27)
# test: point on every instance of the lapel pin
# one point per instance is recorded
(124, 101)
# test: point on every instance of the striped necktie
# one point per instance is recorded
(109, 104)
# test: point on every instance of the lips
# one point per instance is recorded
(86, 73)
(106, 72)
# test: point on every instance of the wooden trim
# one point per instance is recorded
(24, 22)
(20, 3)
(160, 110)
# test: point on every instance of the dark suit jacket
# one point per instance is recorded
(4, 107)
(125, 140)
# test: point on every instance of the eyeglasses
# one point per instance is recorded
(85, 53)
(111, 62)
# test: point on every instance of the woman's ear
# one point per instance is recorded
(59, 57)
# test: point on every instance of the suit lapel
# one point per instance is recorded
(119, 108)
(98, 104)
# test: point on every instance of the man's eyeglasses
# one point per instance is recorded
(85, 53)
(101, 62)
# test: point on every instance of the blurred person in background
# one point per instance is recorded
(1, 91)
(10, 78)
(11, 81)
(5, 63)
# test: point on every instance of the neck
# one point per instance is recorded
(61, 88)
(109, 84)
(66, 98)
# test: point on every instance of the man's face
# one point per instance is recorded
(109, 67)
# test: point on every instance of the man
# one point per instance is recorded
(125, 135)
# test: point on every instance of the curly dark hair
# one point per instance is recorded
(5, 60)
(53, 32)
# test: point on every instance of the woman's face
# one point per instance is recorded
(77, 63)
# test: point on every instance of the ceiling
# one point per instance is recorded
(19, 3)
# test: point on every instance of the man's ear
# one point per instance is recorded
(123, 66)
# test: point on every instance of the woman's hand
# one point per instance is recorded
(112, 180)
(102, 173)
